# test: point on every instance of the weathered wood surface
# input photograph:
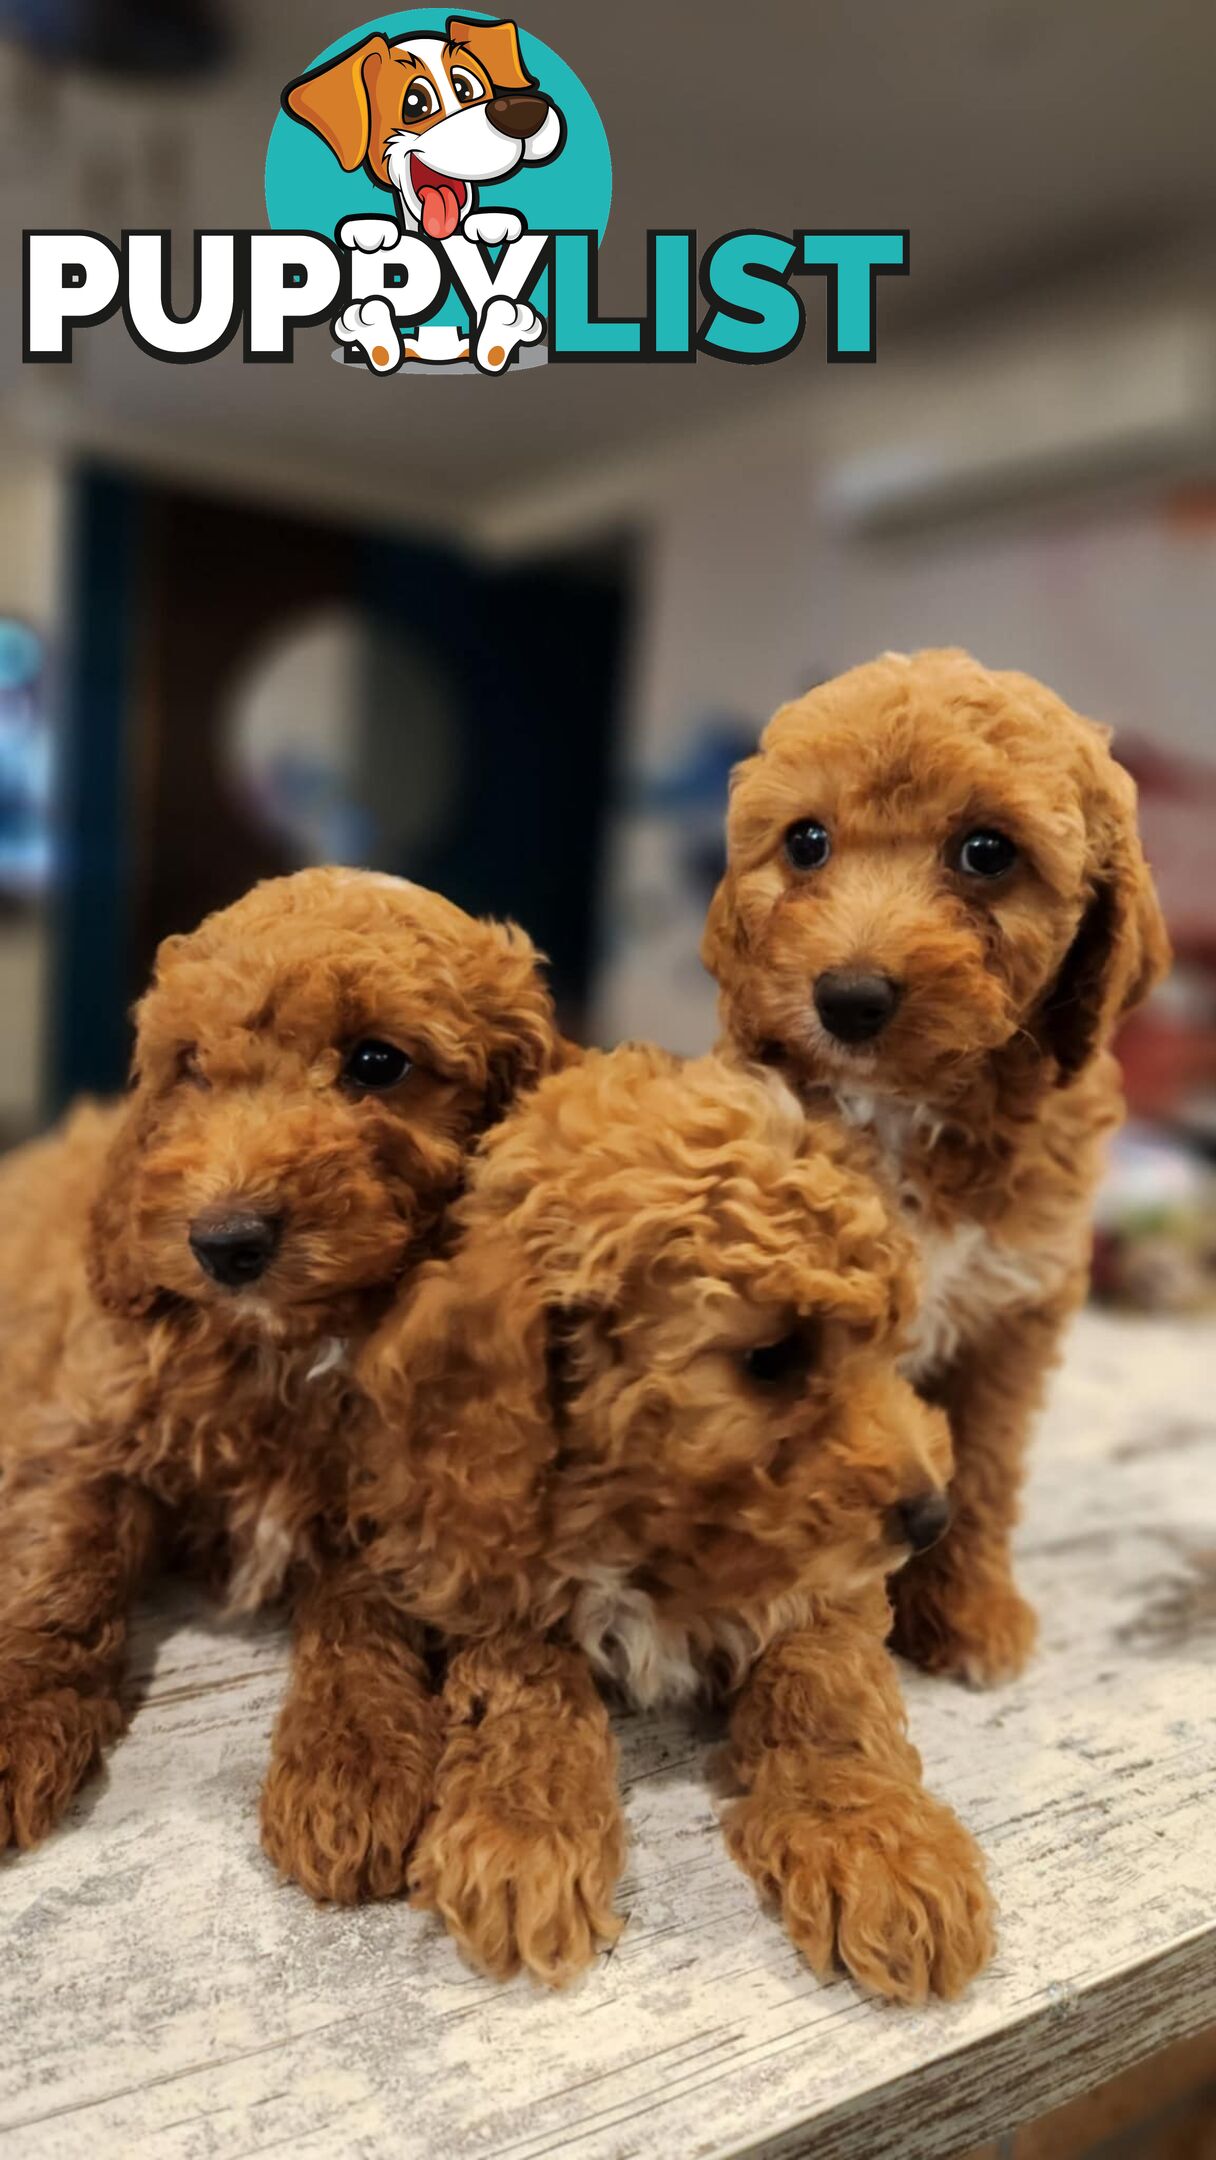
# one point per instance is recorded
(160, 1994)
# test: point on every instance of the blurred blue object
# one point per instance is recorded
(150, 39)
(691, 794)
(26, 852)
(20, 657)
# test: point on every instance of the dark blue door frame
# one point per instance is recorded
(532, 656)
(87, 1047)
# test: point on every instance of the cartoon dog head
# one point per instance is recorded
(431, 117)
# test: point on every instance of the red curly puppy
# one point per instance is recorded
(643, 1420)
(183, 1280)
(935, 911)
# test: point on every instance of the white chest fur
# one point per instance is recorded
(618, 1629)
(266, 1547)
(969, 1275)
(653, 1659)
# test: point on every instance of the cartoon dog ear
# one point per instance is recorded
(496, 46)
(1121, 947)
(335, 101)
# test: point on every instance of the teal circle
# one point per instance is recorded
(307, 190)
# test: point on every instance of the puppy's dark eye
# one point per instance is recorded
(807, 844)
(419, 100)
(374, 1065)
(466, 87)
(773, 1364)
(986, 854)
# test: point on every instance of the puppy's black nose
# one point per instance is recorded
(517, 114)
(234, 1249)
(855, 1007)
(920, 1522)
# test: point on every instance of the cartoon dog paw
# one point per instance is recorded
(493, 227)
(370, 234)
(505, 326)
(371, 325)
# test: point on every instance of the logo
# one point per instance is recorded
(437, 190)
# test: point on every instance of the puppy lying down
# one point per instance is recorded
(643, 1423)
(183, 1280)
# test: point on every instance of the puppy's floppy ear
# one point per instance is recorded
(460, 1383)
(114, 1277)
(335, 101)
(724, 939)
(523, 1043)
(1121, 947)
(496, 45)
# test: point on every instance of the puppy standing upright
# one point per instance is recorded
(183, 1281)
(935, 911)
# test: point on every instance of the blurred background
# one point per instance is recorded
(509, 638)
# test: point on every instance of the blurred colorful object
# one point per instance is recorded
(1177, 820)
(1168, 1050)
(154, 40)
(25, 763)
(1155, 1225)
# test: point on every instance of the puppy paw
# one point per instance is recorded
(339, 1816)
(518, 1891)
(372, 235)
(493, 227)
(48, 1745)
(983, 1633)
(894, 1891)
(505, 326)
(372, 326)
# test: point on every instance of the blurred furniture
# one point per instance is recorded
(160, 1993)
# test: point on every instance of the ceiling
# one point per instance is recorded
(1019, 140)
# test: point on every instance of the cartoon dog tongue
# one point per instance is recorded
(440, 200)
(440, 211)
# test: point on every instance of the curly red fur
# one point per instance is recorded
(992, 1088)
(149, 1412)
(837, 1828)
(523, 1852)
(646, 1409)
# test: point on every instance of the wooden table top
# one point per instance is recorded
(161, 1994)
